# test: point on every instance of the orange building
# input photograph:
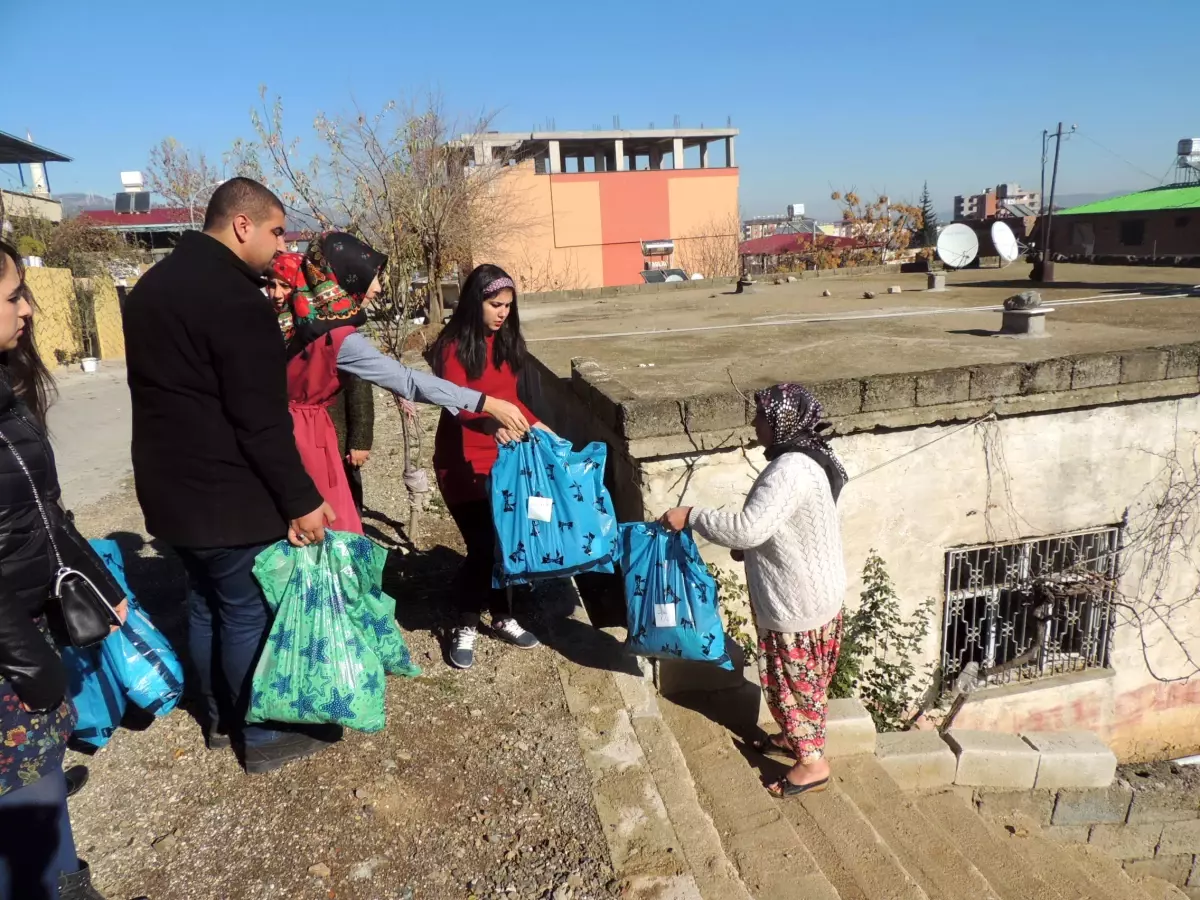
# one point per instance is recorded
(597, 208)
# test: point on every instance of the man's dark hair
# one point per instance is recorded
(240, 196)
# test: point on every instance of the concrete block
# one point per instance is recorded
(1096, 370)
(943, 386)
(916, 760)
(1002, 380)
(1072, 759)
(1143, 365)
(1173, 869)
(992, 759)
(883, 392)
(1092, 806)
(1068, 834)
(849, 729)
(1180, 837)
(1127, 841)
(839, 398)
(1166, 804)
(1183, 361)
(649, 418)
(1047, 377)
(1002, 806)
(716, 412)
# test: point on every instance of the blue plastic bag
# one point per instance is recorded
(138, 656)
(587, 465)
(670, 599)
(98, 698)
(550, 519)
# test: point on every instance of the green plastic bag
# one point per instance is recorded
(318, 666)
(375, 614)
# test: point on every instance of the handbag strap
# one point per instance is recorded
(37, 497)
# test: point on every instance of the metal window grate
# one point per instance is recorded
(1030, 609)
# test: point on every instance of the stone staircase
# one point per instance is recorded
(867, 839)
(681, 799)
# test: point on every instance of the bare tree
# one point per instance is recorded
(711, 249)
(548, 273)
(880, 228)
(183, 178)
(400, 180)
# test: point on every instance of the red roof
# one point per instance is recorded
(780, 244)
(161, 216)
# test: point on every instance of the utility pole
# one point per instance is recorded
(1047, 263)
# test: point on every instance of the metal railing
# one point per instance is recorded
(1030, 609)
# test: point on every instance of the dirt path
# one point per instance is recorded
(475, 789)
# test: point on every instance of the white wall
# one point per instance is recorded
(993, 482)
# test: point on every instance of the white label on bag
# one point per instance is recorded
(664, 615)
(540, 508)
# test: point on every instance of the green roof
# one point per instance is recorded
(1186, 197)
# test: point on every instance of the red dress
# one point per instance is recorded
(313, 383)
(464, 451)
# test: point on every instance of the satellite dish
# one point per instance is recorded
(957, 245)
(1005, 242)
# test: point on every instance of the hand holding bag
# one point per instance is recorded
(80, 609)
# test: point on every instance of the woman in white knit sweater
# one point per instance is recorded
(788, 531)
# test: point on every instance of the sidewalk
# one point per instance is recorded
(91, 427)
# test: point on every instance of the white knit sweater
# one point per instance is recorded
(789, 531)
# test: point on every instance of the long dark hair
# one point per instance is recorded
(467, 331)
(30, 379)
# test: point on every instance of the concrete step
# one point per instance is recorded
(760, 842)
(1007, 873)
(1061, 865)
(850, 852)
(932, 858)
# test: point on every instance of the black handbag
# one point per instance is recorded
(79, 609)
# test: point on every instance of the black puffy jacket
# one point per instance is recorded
(27, 562)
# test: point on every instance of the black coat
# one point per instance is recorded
(214, 455)
(28, 661)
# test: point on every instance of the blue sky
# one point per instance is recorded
(875, 95)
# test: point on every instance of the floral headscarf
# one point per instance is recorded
(794, 416)
(329, 282)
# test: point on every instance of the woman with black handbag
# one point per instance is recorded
(50, 581)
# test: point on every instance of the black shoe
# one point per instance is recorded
(508, 630)
(215, 739)
(78, 885)
(77, 777)
(462, 646)
(289, 747)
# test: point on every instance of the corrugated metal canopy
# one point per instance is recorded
(14, 150)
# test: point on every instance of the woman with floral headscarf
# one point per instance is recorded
(789, 534)
(320, 298)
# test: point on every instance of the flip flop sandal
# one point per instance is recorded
(767, 744)
(784, 788)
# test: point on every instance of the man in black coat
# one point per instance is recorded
(215, 463)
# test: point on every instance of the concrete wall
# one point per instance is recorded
(31, 206)
(1168, 233)
(55, 326)
(1024, 476)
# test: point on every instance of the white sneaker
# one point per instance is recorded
(508, 630)
(462, 649)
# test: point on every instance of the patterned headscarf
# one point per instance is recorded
(329, 282)
(794, 416)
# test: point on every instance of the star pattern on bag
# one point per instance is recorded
(317, 651)
(338, 707)
(281, 638)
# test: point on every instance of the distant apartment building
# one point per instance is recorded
(1002, 201)
(599, 208)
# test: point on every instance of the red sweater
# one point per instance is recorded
(464, 450)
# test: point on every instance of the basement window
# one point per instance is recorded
(1133, 232)
(1030, 609)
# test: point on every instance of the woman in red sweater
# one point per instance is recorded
(482, 349)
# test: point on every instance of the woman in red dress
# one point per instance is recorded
(482, 349)
(320, 299)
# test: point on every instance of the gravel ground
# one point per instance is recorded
(476, 788)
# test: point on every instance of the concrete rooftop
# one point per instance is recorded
(690, 342)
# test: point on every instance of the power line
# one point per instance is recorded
(1119, 156)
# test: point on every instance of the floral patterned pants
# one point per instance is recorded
(795, 671)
